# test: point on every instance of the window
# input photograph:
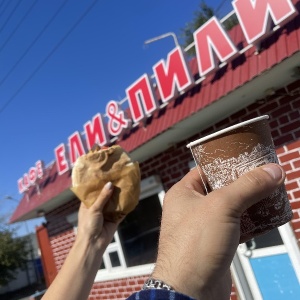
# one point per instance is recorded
(139, 232)
(113, 258)
(269, 239)
(133, 249)
(192, 164)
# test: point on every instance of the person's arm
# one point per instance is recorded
(76, 277)
(200, 234)
(198, 238)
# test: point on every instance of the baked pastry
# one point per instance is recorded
(101, 165)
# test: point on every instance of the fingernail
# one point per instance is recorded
(108, 185)
(274, 170)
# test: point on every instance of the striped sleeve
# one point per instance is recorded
(154, 294)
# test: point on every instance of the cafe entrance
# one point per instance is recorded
(268, 267)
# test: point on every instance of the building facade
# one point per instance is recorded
(260, 75)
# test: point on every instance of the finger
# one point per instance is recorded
(252, 187)
(195, 180)
(103, 197)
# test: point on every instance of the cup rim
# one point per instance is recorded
(205, 138)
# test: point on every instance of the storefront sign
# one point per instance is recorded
(212, 44)
(31, 177)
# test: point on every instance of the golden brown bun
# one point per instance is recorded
(93, 170)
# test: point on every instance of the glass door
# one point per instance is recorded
(268, 272)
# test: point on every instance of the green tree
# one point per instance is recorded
(13, 253)
(201, 16)
(231, 22)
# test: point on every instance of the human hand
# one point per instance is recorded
(91, 223)
(200, 234)
(85, 256)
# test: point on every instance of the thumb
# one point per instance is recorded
(103, 197)
(252, 187)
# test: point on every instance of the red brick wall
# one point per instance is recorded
(61, 245)
(56, 219)
(283, 108)
(234, 295)
(289, 157)
(117, 289)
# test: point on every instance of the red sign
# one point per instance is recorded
(173, 75)
(31, 177)
(262, 11)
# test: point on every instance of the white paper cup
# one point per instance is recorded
(229, 153)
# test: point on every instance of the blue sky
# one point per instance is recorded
(60, 66)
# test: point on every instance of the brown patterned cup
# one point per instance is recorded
(229, 153)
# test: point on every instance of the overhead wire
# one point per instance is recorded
(4, 9)
(10, 15)
(18, 25)
(61, 41)
(33, 42)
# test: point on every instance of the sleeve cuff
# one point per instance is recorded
(155, 294)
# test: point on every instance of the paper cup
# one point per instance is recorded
(229, 153)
